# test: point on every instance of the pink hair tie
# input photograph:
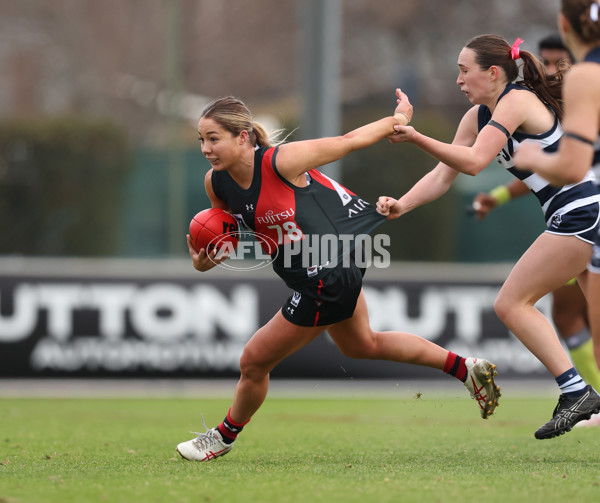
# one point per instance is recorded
(514, 50)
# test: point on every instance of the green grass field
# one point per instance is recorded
(294, 450)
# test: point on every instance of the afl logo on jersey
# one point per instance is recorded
(556, 221)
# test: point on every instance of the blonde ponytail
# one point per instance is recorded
(234, 116)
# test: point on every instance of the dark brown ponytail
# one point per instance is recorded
(547, 87)
(492, 50)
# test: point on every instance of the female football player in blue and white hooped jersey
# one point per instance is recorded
(255, 180)
(504, 115)
(579, 26)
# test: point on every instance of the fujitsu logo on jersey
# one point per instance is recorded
(270, 217)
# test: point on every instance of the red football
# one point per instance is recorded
(214, 228)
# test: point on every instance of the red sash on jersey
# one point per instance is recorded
(276, 208)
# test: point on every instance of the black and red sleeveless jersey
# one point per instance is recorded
(293, 217)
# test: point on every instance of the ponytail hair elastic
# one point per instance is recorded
(514, 50)
(594, 8)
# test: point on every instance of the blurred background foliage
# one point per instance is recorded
(62, 188)
(99, 103)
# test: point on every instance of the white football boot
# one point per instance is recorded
(481, 385)
(205, 447)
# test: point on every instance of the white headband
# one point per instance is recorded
(594, 12)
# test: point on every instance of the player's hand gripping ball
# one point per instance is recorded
(214, 228)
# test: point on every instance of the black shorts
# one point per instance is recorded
(329, 300)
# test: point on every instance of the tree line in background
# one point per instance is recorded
(96, 185)
(61, 186)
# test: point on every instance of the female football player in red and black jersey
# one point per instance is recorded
(277, 192)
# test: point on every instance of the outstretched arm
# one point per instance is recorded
(434, 184)
(429, 188)
(469, 159)
(298, 157)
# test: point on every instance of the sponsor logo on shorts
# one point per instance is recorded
(296, 299)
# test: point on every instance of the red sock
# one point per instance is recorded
(455, 366)
(229, 429)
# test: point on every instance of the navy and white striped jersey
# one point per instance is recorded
(555, 201)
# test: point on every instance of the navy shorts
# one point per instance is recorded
(328, 300)
(581, 222)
